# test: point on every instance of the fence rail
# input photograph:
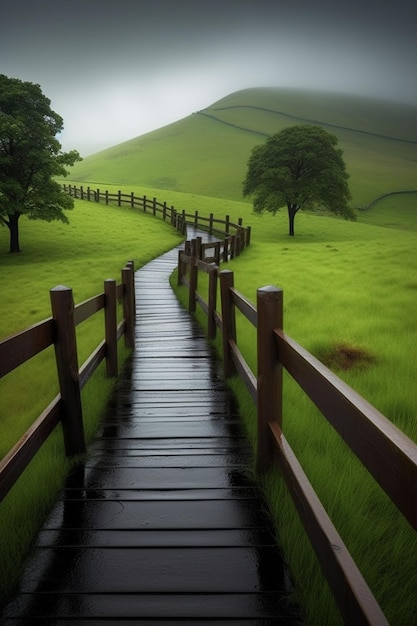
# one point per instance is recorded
(387, 453)
(59, 331)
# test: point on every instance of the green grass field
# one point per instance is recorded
(344, 283)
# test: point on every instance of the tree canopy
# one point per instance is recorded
(300, 168)
(30, 156)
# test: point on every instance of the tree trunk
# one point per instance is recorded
(13, 225)
(292, 210)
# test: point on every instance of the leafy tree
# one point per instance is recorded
(299, 168)
(30, 156)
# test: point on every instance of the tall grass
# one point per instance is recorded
(95, 245)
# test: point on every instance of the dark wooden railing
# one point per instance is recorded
(234, 236)
(388, 454)
(59, 331)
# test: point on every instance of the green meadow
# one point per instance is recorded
(347, 285)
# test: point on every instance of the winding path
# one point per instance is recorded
(163, 523)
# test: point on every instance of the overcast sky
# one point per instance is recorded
(118, 69)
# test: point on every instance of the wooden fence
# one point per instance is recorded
(388, 454)
(59, 331)
(234, 236)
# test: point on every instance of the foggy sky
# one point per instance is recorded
(115, 70)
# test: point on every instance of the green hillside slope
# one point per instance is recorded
(207, 152)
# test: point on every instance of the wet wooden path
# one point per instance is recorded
(163, 523)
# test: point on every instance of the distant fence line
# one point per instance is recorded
(234, 236)
(385, 195)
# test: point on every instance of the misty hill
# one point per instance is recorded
(206, 153)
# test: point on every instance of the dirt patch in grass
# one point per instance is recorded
(344, 356)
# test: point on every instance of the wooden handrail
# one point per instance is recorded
(21, 347)
(353, 597)
(59, 331)
(18, 458)
(388, 454)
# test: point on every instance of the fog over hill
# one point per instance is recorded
(116, 70)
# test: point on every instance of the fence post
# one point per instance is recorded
(180, 268)
(232, 246)
(237, 241)
(199, 253)
(131, 265)
(226, 250)
(67, 365)
(248, 232)
(270, 316)
(193, 282)
(110, 323)
(211, 224)
(212, 303)
(128, 307)
(217, 253)
(228, 319)
(164, 211)
(145, 202)
(97, 198)
(154, 206)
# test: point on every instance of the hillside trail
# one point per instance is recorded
(163, 521)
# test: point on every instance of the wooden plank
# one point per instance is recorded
(162, 570)
(156, 538)
(141, 515)
(174, 608)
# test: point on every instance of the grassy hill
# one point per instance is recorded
(206, 153)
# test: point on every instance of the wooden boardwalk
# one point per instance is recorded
(163, 523)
